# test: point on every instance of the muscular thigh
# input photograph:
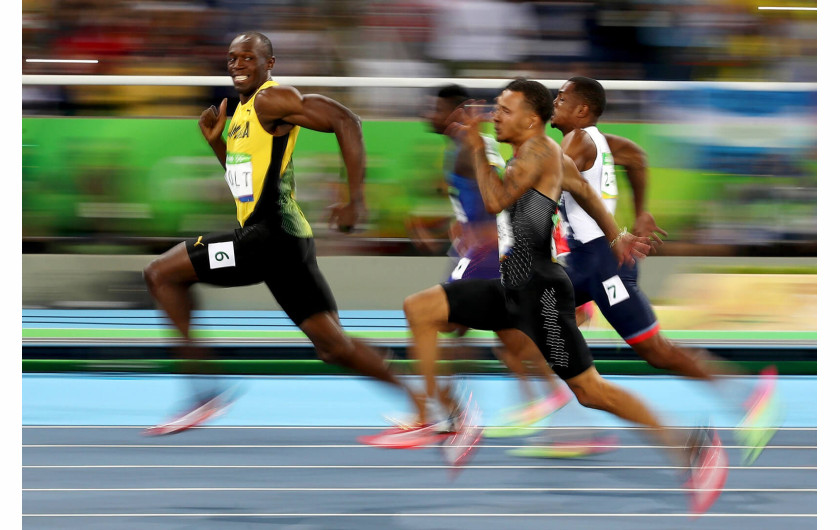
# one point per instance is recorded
(297, 283)
(597, 276)
(546, 313)
(232, 258)
(258, 253)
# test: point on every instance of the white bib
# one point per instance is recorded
(239, 176)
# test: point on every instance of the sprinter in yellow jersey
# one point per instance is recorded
(274, 242)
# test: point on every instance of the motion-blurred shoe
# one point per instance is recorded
(410, 435)
(520, 420)
(708, 469)
(763, 418)
(573, 444)
(461, 447)
(204, 411)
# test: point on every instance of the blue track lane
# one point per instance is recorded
(107, 399)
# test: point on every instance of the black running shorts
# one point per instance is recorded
(260, 253)
(543, 309)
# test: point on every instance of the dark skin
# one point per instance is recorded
(278, 109)
(572, 113)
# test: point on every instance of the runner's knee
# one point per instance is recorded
(153, 275)
(332, 349)
(423, 307)
(593, 394)
(172, 268)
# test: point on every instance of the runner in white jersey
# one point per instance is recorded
(601, 176)
(595, 273)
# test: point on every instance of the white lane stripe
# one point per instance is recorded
(629, 490)
(566, 515)
(346, 427)
(432, 466)
(363, 446)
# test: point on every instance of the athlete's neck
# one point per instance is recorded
(245, 97)
(527, 135)
(587, 123)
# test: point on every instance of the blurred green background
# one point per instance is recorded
(100, 177)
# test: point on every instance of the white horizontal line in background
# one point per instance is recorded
(784, 8)
(396, 82)
(71, 61)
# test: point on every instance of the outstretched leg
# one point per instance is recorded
(334, 346)
(169, 278)
(427, 313)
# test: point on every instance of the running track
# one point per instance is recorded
(285, 456)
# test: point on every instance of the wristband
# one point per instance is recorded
(619, 236)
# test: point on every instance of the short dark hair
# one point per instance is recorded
(262, 39)
(456, 94)
(536, 94)
(592, 92)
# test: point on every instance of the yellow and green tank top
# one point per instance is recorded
(260, 172)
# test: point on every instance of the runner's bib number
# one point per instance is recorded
(615, 289)
(459, 271)
(239, 176)
(609, 184)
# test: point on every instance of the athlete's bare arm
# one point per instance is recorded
(625, 247)
(212, 125)
(277, 107)
(537, 157)
(633, 158)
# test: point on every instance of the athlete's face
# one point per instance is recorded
(438, 114)
(248, 64)
(566, 106)
(512, 116)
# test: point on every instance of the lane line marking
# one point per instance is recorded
(384, 466)
(566, 515)
(351, 489)
(362, 446)
(352, 427)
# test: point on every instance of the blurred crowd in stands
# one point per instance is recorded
(607, 39)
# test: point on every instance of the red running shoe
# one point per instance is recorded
(460, 448)
(203, 412)
(408, 437)
(709, 470)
